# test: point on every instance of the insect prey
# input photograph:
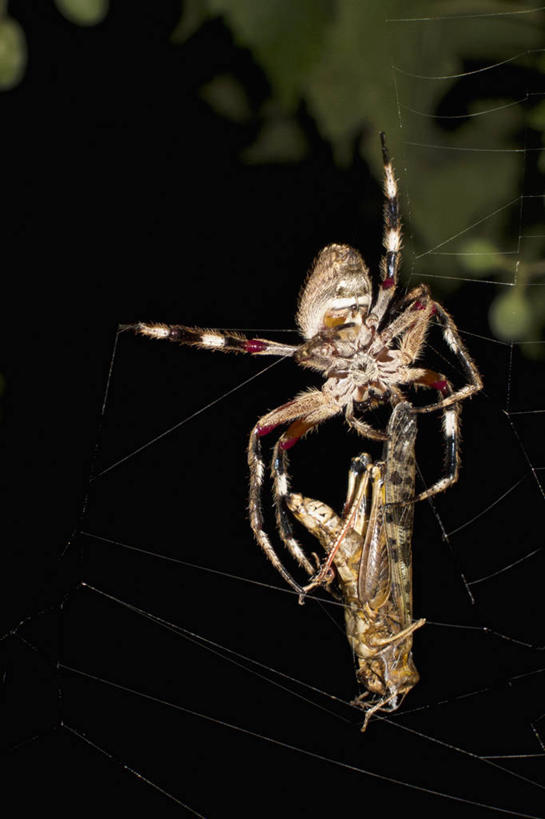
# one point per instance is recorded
(370, 550)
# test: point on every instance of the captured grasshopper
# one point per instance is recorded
(370, 549)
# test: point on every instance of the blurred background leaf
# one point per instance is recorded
(286, 38)
(451, 90)
(13, 53)
(84, 12)
(353, 68)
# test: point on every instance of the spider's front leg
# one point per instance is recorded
(305, 412)
(222, 341)
(389, 264)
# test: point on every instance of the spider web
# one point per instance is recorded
(185, 677)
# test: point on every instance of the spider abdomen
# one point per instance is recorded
(338, 285)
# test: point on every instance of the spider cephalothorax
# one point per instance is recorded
(364, 344)
(359, 365)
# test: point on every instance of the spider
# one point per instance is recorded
(364, 346)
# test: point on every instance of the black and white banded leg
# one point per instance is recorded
(451, 434)
(281, 491)
(224, 342)
(257, 477)
(455, 343)
(389, 263)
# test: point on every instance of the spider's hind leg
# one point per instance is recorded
(449, 399)
(451, 428)
(455, 343)
(451, 434)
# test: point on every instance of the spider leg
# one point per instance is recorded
(281, 491)
(281, 487)
(453, 340)
(305, 411)
(451, 431)
(312, 408)
(389, 264)
(417, 294)
(414, 323)
(257, 475)
(361, 427)
(225, 342)
(451, 428)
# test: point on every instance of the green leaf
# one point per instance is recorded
(480, 255)
(351, 85)
(285, 36)
(227, 96)
(280, 140)
(84, 12)
(194, 14)
(13, 53)
(510, 315)
(536, 117)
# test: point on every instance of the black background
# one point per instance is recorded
(125, 200)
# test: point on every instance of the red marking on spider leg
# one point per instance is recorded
(295, 431)
(260, 431)
(442, 386)
(288, 443)
(254, 345)
(421, 305)
(387, 283)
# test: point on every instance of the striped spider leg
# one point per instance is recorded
(364, 344)
(371, 544)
